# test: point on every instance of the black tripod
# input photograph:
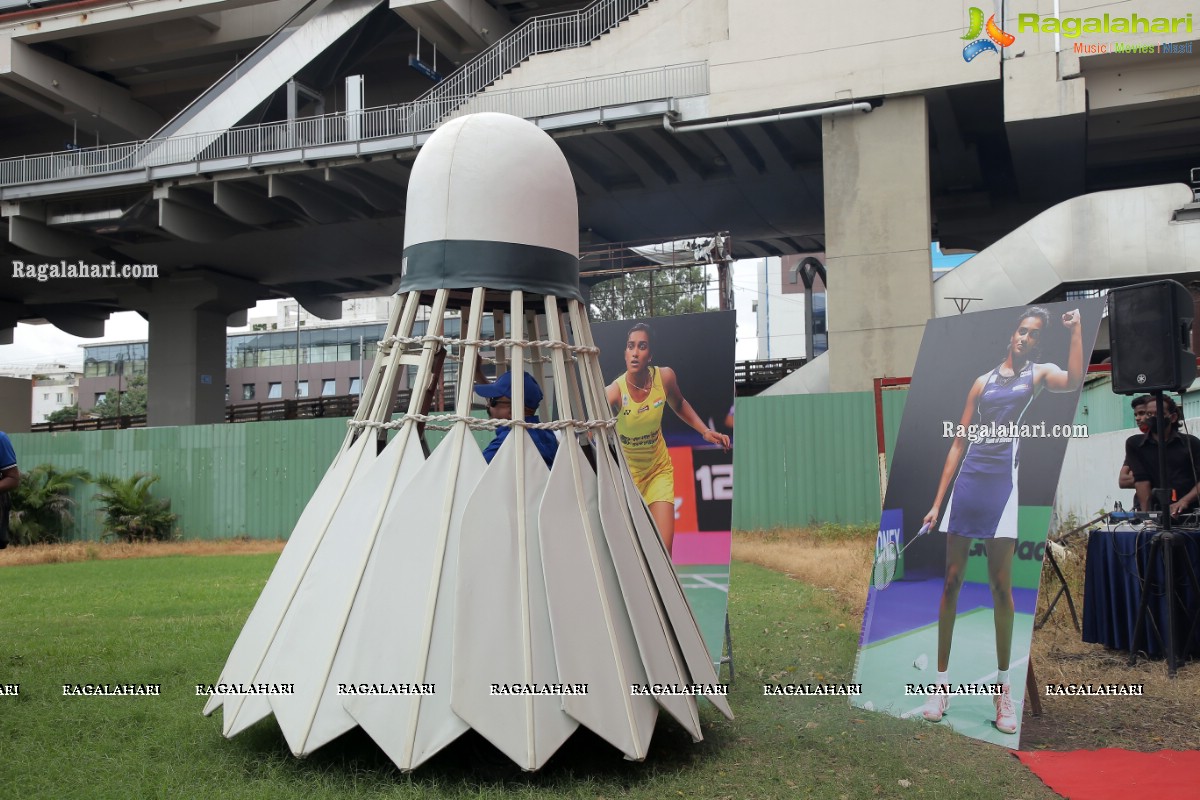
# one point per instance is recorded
(1164, 541)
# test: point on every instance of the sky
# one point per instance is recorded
(45, 344)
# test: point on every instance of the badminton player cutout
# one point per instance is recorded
(983, 503)
(638, 396)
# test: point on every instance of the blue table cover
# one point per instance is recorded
(1115, 561)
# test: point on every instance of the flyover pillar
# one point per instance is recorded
(185, 373)
(877, 234)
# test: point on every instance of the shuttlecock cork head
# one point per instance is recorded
(491, 202)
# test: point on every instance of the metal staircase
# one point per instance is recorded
(311, 31)
(204, 130)
(544, 34)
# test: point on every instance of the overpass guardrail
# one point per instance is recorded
(384, 122)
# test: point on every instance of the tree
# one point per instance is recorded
(653, 293)
(133, 399)
(68, 414)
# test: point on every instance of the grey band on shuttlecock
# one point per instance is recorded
(461, 264)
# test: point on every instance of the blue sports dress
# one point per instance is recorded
(983, 504)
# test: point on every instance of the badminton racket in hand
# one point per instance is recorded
(887, 558)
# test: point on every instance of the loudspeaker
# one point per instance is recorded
(1150, 333)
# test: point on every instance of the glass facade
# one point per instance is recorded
(316, 346)
(100, 361)
(353, 348)
(452, 330)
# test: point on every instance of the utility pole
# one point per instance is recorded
(297, 349)
(120, 367)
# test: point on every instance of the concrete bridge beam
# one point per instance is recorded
(67, 93)
(459, 28)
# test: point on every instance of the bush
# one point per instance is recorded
(130, 513)
(42, 504)
(68, 414)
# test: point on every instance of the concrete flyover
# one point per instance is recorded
(962, 151)
(1098, 240)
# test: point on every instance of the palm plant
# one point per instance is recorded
(42, 505)
(130, 513)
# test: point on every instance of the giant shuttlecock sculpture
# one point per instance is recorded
(421, 597)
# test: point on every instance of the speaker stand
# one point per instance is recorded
(1165, 542)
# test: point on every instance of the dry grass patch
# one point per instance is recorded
(839, 561)
(103, 551)
(1165, 718)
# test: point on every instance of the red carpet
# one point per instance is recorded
(1117, 774)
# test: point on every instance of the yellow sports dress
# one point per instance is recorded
(639, 425)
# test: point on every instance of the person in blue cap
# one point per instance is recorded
(499, 397)
(10, 476)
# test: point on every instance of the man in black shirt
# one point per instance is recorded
(1125, 478)
(1183, 460)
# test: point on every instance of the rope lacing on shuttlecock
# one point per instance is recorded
(548, 344)
(437, 422)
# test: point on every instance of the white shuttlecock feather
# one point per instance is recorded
(429, 580)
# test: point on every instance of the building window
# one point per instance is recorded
(355, 386)
(227, 393)
(302, 389)
(247, 391)
(274, 390)
(99, 396)
(328, 387)
(58, 397)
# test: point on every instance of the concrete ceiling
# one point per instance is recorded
(335, 230)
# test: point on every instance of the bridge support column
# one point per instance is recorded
(185, 374)
(877, 233)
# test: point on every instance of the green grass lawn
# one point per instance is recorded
(172, 621)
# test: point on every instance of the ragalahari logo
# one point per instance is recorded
(995, 36)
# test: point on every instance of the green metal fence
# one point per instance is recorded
(1101, 410)
(798, 459)
(802, 459)
(224, 481)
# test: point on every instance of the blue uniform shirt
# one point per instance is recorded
(546, 444)
(8, 456)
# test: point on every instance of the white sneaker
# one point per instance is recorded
(936, 706)
(1006, 712)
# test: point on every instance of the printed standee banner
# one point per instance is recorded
(1005, 377)
(699, 349)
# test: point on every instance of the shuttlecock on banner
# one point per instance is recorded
(922, 662)
(420, 597)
